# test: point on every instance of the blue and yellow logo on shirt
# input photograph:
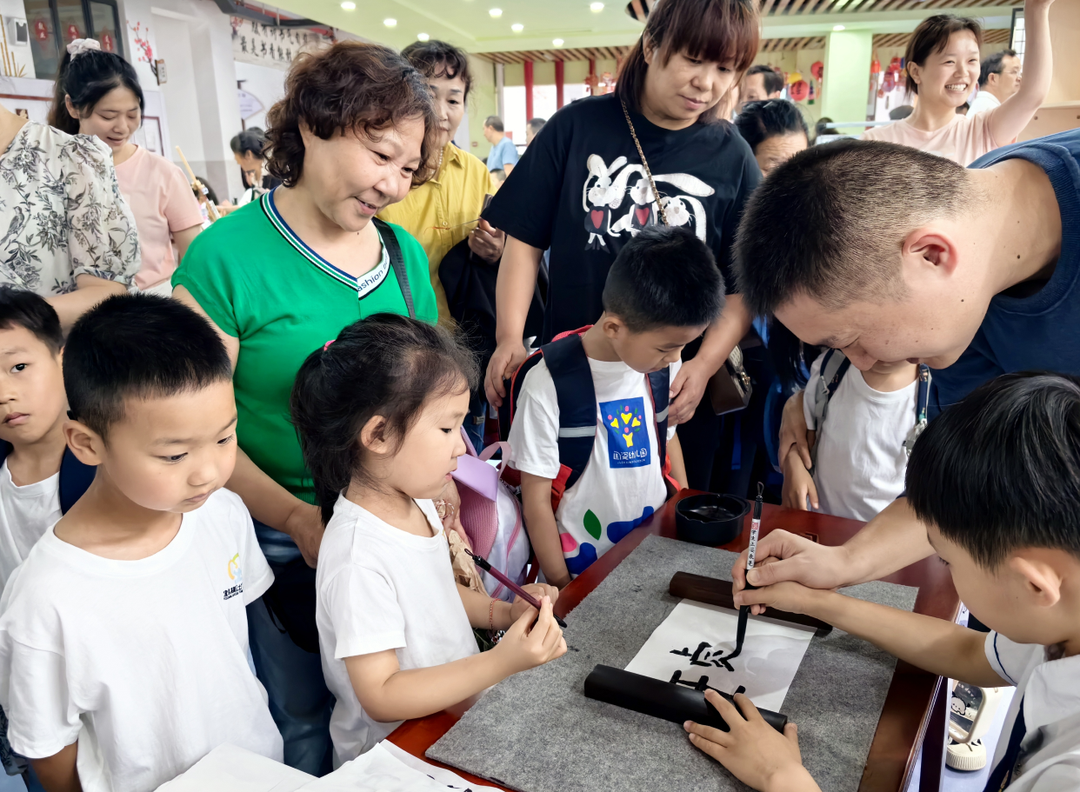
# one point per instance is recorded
(627, 431)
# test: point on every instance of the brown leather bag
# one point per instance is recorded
(730, 389)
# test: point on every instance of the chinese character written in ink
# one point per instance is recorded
(700, 657)
(701, 685)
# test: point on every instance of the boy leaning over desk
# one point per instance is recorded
(997, 480)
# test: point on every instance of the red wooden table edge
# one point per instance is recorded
(908, 704)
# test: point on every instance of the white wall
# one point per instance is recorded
(181, 100)
(194, 39)
(19, 58)
(265, 84)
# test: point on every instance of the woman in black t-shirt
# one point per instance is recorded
(582, 191)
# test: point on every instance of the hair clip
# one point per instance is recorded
(327, 344)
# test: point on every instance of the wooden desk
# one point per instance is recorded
(915, 708)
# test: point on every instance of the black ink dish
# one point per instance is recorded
(710, 519)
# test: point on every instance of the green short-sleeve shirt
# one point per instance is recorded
(260, 283)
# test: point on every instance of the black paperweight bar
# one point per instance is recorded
(659, 699)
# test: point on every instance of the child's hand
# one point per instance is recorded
(786, 596)
(523, 647)
(753, 751)
(798, 483)
(538, 590)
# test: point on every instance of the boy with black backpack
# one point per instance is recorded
(589, 433)
(863, 425)
(40, 478)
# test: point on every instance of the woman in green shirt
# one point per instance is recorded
(280, 277)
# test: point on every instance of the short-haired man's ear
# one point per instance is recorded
(927, 246)
(84, 442)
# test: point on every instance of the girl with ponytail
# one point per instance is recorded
(98, 93)
(379, 413)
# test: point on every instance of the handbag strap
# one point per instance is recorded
(397, 261)
(645, 164)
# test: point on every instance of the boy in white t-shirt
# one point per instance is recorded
(663, 290)
(123, 635)
(995, 481)
(859, 448)
(33, 408)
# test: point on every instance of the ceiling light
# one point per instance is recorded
(838, 28)
(422, 37)
(349, 5)
(495, 13)
(596, 8)
(557, 42)
(517, 27)
(391, 22)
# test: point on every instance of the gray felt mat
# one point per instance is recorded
(536, 732)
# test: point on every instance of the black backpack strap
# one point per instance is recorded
(397, 261)
(75, 480)
(569, 367)
(660, 386)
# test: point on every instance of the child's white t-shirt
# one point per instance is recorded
(622, 485)
(382, 588)
(145, 662)
(1046, 687)
(860, 462)
(25, 513)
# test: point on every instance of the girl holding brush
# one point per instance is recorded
(379, 413)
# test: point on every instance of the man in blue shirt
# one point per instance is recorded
(503, 154)
(896, 254)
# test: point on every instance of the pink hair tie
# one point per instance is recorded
(327, 344)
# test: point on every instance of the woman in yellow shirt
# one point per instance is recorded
(446, 210)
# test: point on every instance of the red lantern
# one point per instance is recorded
(875, 66)
(41, 30)
(799, 90)
(107, 42)
(817, 69)
(894, 66)
(73, 33)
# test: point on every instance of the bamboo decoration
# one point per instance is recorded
(198, 185)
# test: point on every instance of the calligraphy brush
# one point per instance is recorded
(744, 610)
(514, 587)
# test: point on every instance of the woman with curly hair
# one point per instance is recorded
(355, 132)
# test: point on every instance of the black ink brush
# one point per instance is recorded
(751, 553)
(514, 587)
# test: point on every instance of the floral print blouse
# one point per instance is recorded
(61, 213)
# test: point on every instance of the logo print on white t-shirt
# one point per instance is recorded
(627, 432)
(236, 574)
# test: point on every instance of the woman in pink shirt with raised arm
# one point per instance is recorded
(943, 68)
(98, 93)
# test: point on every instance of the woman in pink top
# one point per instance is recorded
(943, 69)
(98, 93)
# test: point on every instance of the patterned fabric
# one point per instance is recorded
(61, 213)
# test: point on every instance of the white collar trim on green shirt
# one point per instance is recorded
(363, 285)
